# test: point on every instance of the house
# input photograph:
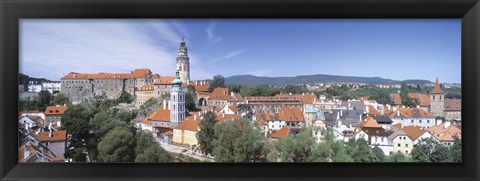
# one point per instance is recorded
(53, 115)
(384, 121)
(412, 116)
(31, 151)
(272, 103)
(406, 137)
(374, 134)
(185, 133)
(453, 110)
(445, 133)
(51, 86)
(227, 110)
(310, 115)
(221, 97)
(144, 93)
(286, 117)
(423, 100)
(159, 120)
(56, 141)
(281, 133)
(162, 85)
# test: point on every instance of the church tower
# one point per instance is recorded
(437, 100)
(177, 101)
(183, 62)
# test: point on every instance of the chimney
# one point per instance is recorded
(50, 134)
(398, 113)
(403, 106)
(164, 104)
(350, 126)
(438, 122)
(341, 113)
(303, 93)
(231, 94)
(367, 109)
(401, 125)
(338, 115)
(223, 115)
(290, 93)
(339, 123)
(194, 117)
(348, 106)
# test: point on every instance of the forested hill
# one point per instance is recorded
(250, 79)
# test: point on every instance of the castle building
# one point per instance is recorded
(183, 62)
(177, 101)
(437, 100)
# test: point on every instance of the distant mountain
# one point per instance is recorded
(251, 79)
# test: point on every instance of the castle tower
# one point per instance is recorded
(437, 100)
(177, 101)
(183, 62)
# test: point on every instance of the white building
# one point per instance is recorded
(52, 86)
(412, 116)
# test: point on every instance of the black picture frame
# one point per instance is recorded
(13, 10)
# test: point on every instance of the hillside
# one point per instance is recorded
(250, 79)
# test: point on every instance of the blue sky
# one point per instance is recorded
(394, 49)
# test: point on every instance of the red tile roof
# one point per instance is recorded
(281, 133)
(56, 136)
(189, 124)
(453, 104)
(164, 80)
(436, 88)
(55, 110)
(445, 133)
(160, 114)
(410, 113)
(423, 99)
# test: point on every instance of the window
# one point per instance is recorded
(399, 145)
(420, 121)
(406, 152)
(428, 121)
(412, 120)
(406, 145)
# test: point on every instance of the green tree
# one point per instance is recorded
(44, 99)
(218, 81)
(406, 100)
(297, 148)
(61, 99)
(190, 105)
(396, 157)
(148, 150)
(23, 79)
(422, 151)
(455, 153)
(117, 146)
(238, 141)
(379, 153)
(205, 135)
(126, 98)
(362, 152)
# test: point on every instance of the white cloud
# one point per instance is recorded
(211, 36)
(51, 48)
(228, 55)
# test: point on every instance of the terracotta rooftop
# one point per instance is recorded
(453, 104)
(410, 113)
(189, 124)
(436, 88)
(164, 80)
(281, 133)
(55, 110)
(444, 132)
(56, 136)
(161, 114)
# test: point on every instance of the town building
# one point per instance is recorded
(186, 132)
(53, 115)
(445, 133)
(406, 137)
(53, 87)
(183, 62)
(412, 116)
(144, 93)
(54, 140)
(286, 117)
(453, 110)
(374, 134)
(272, 103)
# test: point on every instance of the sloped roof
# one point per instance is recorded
(189, 124)
(410, 113)
(453, 104)
(55, 110)
(422, 99)
(56, 136)
(436, 88)
(281, 133)
(160, 114)
(164, 80)
(445, 133)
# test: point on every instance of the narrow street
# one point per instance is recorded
(178, 149)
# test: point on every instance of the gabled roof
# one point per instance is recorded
(453, 104)
(141, 73)
(382, 119)
(410, 113)
(55, 110)
(444, 132)
(189, 124)
(281, 133)
(56, 136)
(436, 88)
(397, 100)
(164, 80)
(414, 131)
(372, 110)
(161, 114)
